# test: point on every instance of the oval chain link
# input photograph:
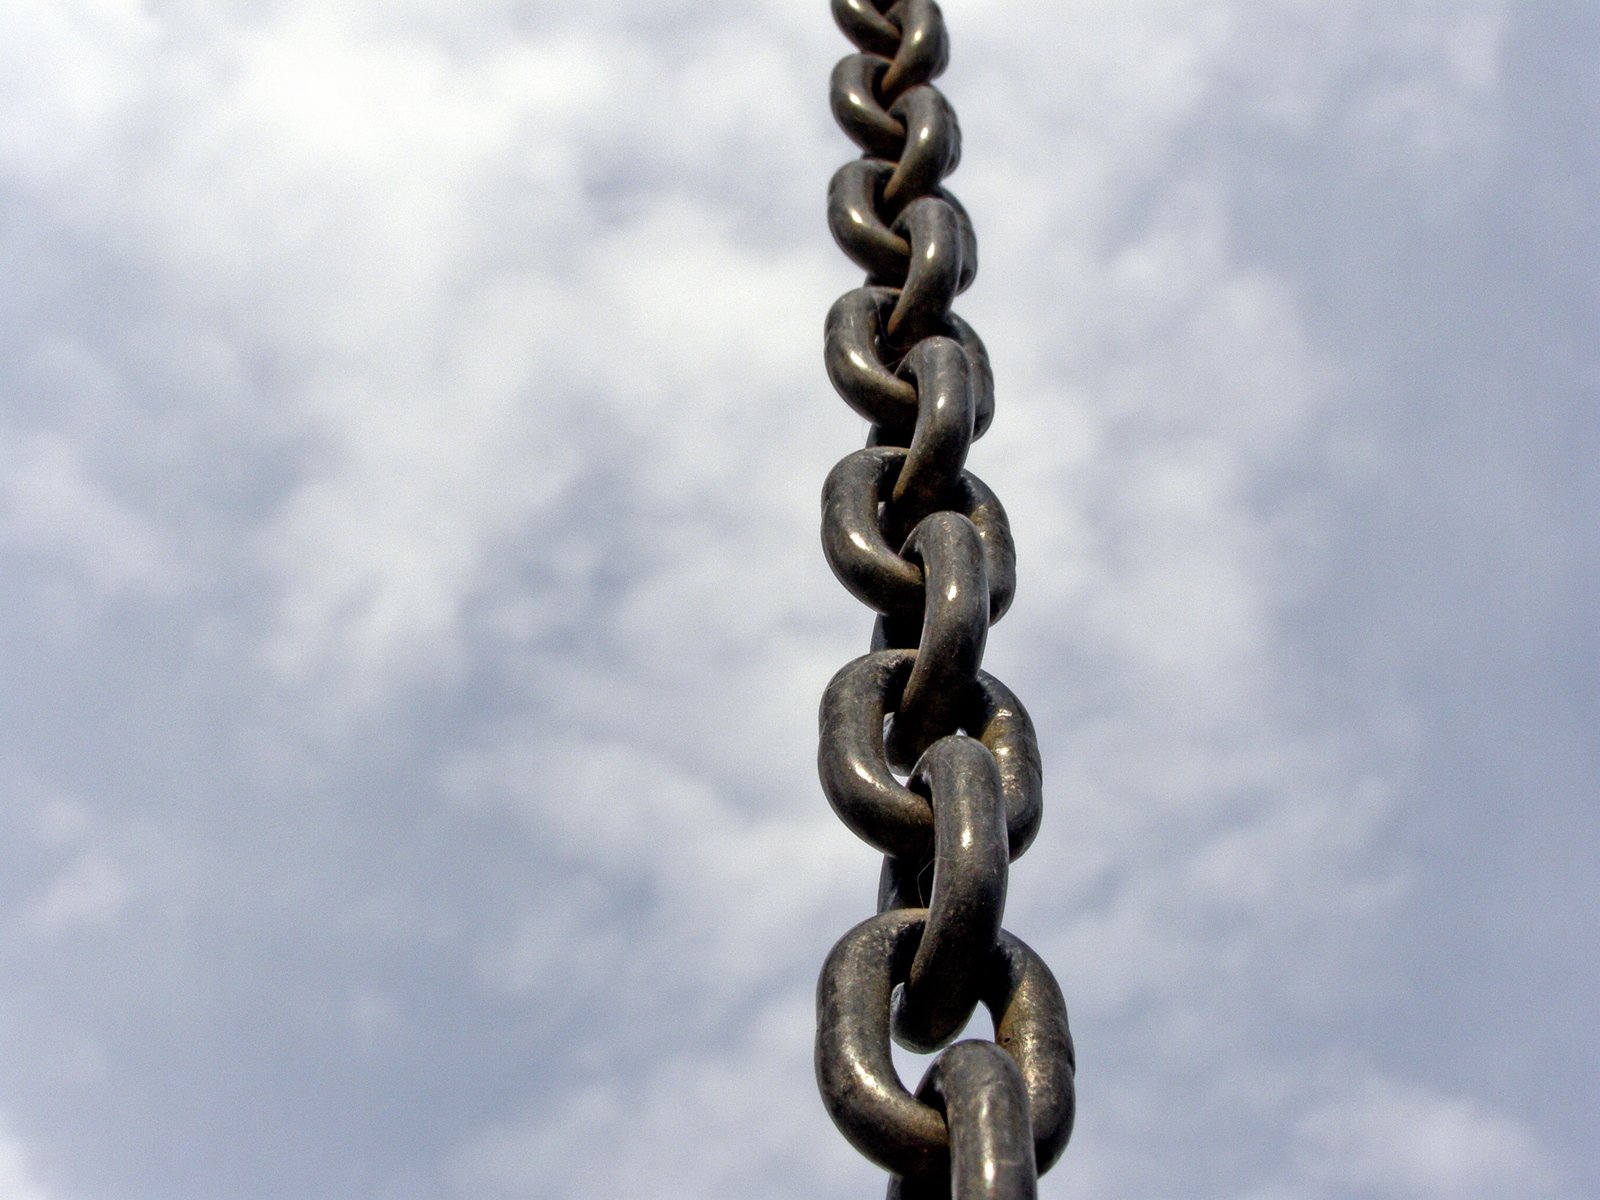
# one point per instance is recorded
(924, 755)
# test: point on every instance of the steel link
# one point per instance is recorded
(859, 364)
(859, 552)
(963, 887)
(988, 1116)
(861, 786)
(924, 48)
(935, 230)
(1031, 1025)
(955, 627)
(936, 272)
(932, 147)
(853, 94)
(864, 24)
(985, 1106)
(937, 226)
(941, 436)
(854, 197)
(998, 720)
(855, 1070)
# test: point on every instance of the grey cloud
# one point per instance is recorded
(408, 509)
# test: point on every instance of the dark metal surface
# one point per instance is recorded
(923, 542)
(985, 1106)
(857, 358)
(854, 766)
(858, 549)
(860, 1087)
(963, 887)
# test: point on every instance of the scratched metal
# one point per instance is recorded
(923, 754)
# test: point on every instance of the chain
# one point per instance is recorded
(925, 543)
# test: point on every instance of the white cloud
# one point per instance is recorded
(17, 1181)
(1389, 1138)
(51, 504)
(427, 250)
(649, 858)
(723, 1119)
(90, 893)
(77, 873)
(70, 68)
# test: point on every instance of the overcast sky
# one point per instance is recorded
(412, 419)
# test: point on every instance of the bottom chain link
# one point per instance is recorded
(855, 1070)
(980, 1091)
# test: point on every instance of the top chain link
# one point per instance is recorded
(925, 543)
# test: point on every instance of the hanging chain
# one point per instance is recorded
(921, 540)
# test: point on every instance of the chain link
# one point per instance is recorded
(922, 541)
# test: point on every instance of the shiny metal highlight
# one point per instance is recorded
(922, 753)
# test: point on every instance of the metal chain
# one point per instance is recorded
(921, 540)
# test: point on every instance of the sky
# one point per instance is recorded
(412, 613)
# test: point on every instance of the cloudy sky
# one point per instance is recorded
(411, 425)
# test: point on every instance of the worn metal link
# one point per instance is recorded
(985, 1106)
(922, 541)
(857, 545)
(853, 761)
(855, 353)
(963, 887)
(860, 1087)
